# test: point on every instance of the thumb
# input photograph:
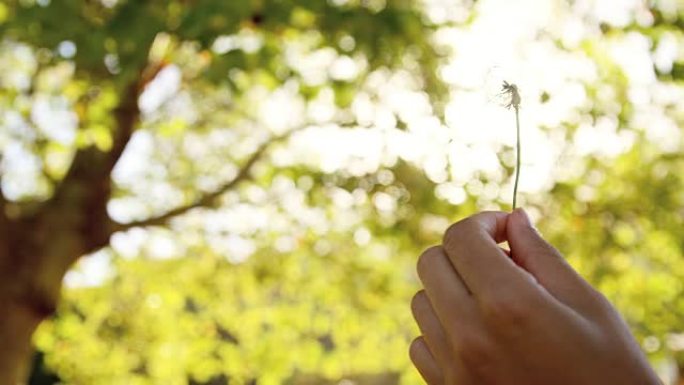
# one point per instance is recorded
(531, 252)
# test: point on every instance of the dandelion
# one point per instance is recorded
(500, 91)
(510, 91)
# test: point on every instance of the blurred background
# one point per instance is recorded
(236, 192)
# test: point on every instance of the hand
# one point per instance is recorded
(488, 316)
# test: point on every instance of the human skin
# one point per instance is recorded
(489, 316)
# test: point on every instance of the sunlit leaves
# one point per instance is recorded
(305, 270)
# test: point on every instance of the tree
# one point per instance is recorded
(102, 56)
(236, 253)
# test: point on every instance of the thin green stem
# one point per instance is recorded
(517, 156)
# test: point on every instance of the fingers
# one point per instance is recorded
(486, 270)
(448, 294)
(430, 328)
(543, 261)
(425, 362)
(444, 301)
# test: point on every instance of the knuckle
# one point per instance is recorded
(553, 251)
(426, 260)
(600, 303)
(544, 250)
(460, 230)
(507, 311)
(475, 352)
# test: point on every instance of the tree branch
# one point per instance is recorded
(83, 193)
(209, 199)
(93, 163)
(127, 115)
(3, 203)
(4, 230)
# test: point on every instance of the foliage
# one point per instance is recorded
(285, 265)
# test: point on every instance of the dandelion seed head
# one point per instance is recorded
(510, 90)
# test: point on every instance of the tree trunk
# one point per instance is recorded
(31, 272)
(35, 253)
(17, 320)
(17, 324)
(39, 242)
